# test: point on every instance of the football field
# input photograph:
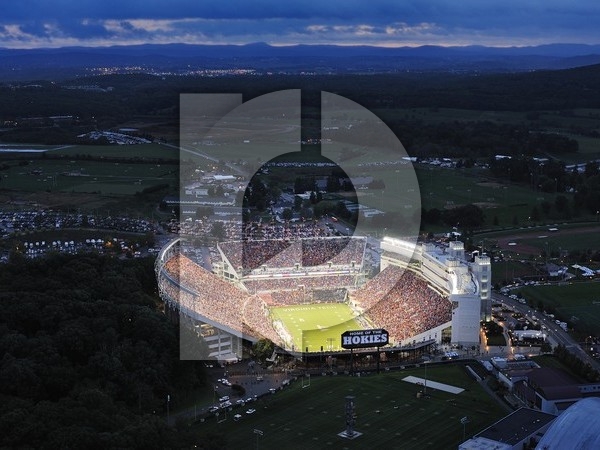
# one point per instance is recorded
(315, 325)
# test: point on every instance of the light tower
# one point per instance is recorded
(350, 432)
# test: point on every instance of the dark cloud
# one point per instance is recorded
(385, 22)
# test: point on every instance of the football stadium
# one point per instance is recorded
(303, 293)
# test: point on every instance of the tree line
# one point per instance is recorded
(87, 360)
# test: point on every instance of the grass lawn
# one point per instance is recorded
(388, 413)
(313, 325)
(120, 151)
(577, 303)
(88, 176)
(568, 236)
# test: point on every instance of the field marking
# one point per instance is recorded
(433, 384)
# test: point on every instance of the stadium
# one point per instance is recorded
(303, 293)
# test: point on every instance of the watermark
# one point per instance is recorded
(275, 194)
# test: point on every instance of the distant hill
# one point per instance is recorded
(71, 61)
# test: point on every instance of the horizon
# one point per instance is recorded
(292, 45)
(383, 23)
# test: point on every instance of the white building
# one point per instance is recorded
(466, 284)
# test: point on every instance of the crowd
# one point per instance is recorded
(288, 253)
(310, 283)
(398, 300)
(253, 254)
(409, 308)
(205, 293)
(256, 318)
(338, 251)
(288, 297)
(292, 230)
(373, 292)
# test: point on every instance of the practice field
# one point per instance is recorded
(577, 303)
(388, 413)
(316, 325)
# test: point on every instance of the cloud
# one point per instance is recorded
(378, 22)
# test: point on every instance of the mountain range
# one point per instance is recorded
(70, 61)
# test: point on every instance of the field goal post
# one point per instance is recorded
(306, 380)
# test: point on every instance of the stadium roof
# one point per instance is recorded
(576, 428)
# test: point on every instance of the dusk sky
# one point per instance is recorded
(57, 23)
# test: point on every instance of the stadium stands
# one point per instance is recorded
(298, 253)
(398, 300)
(402, 303)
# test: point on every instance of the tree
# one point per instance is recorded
(546, 206)
(535, 214)
(204, 211)
(87, 358)
(297, 203)
(546, 347)
(218, 230)
(263, 349)
(561, 203)
(287, 214)
(333, 183)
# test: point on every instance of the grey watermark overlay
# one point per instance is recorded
(226, 142)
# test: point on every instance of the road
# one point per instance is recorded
(556, 335)
(247, 379)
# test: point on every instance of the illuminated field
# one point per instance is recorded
(316, 325)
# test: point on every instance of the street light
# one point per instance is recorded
(168, 400)
(464, 421)
(426, 360)
(258, 433)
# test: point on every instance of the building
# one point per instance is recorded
(552, 390)
(575, 429)
(520, 428)
(466, 284)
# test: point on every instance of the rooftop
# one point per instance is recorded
(517, 426)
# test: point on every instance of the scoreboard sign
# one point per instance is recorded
(364, 338)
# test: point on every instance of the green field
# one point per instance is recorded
(87, 176)
(316, 325)
(388, 413)
(573, 303)
(120, 151)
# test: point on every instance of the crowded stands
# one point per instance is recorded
(408, 308)
(203, 292)
(396, 299)
(283, 253)
(256, 318)
(322, 281)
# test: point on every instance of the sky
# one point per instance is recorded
(390, 23)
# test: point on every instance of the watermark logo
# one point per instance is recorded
(243, 164)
